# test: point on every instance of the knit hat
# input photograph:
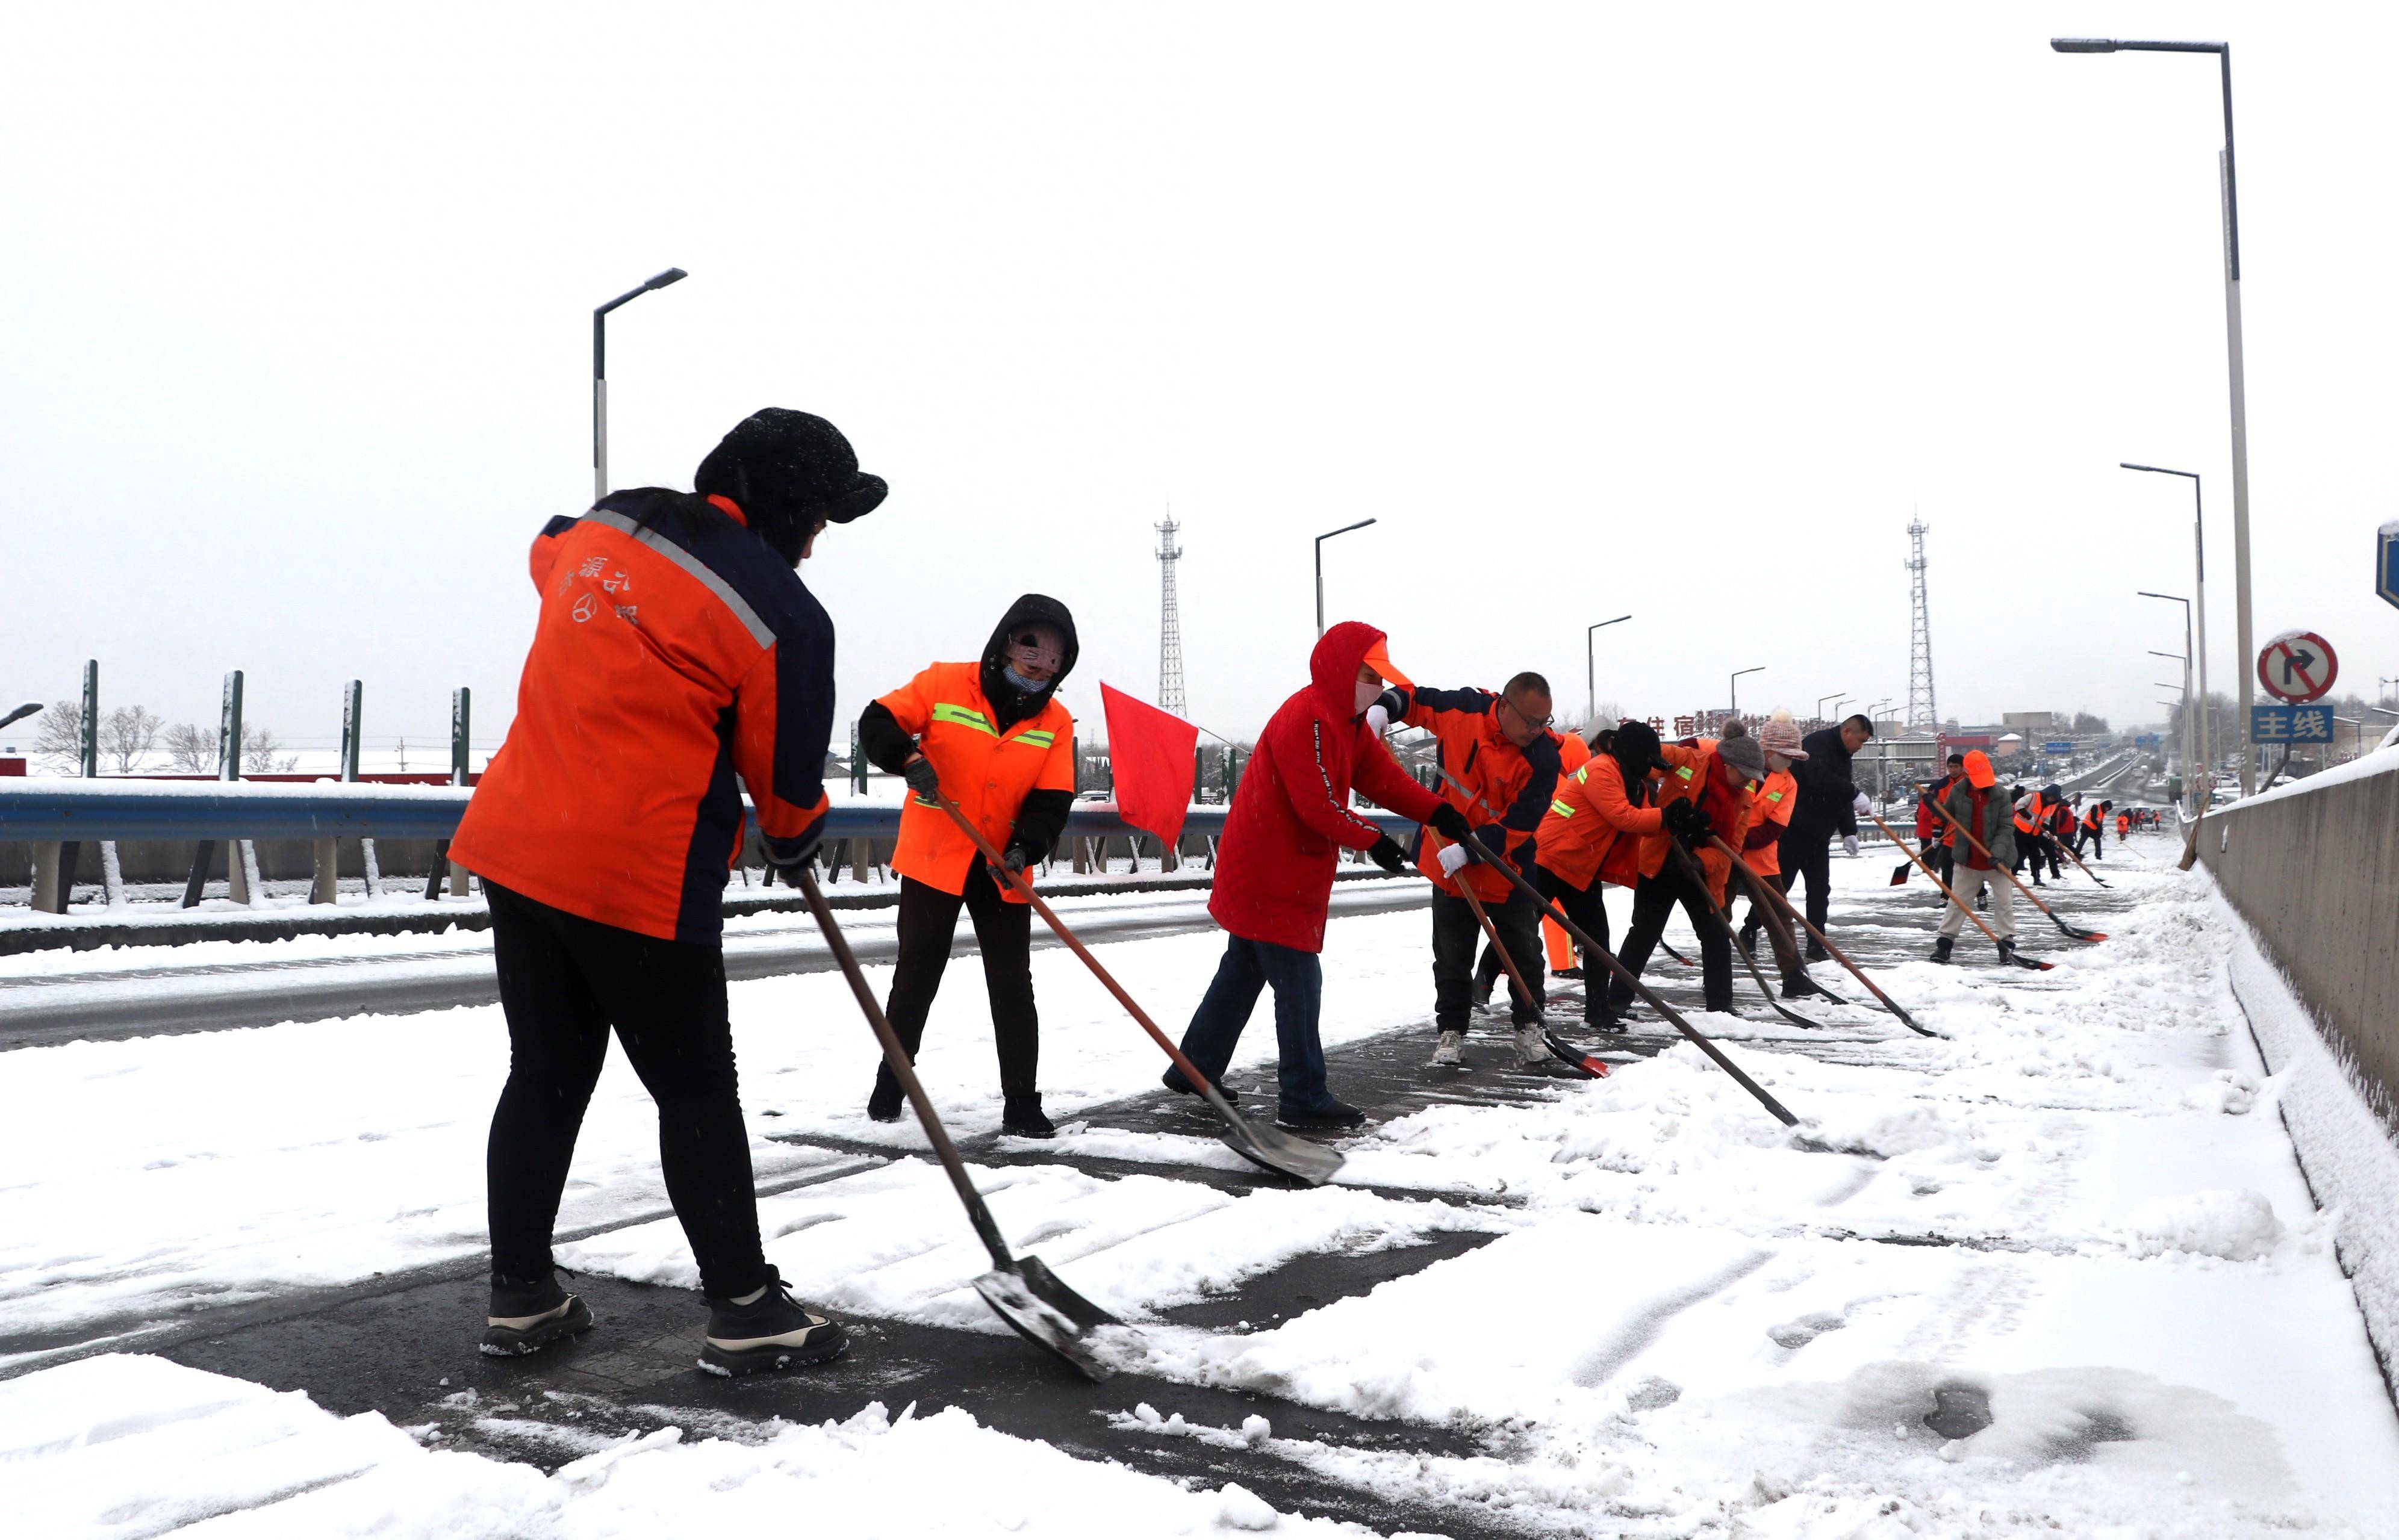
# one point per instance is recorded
(1780, 735)
(789, 471)
(1739, 750)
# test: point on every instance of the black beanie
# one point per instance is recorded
(1636, 744)
(788, 471)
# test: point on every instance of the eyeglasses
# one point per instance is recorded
(1522, 716)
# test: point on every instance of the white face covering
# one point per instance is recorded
(1366, 696)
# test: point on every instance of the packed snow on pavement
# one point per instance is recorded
(2059, 1272)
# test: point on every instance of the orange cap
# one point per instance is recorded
(1379, 657)
(1978, 770)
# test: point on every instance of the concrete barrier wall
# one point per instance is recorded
(2314, 869)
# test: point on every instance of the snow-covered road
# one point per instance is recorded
(2061, 1275)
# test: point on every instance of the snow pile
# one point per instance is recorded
(124, 1445)
(2234, 1226)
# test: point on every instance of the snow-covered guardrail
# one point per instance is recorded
(2313, 868)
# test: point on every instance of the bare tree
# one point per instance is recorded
(57, 743)
(192, 750)
(262, 752)
(126, 736)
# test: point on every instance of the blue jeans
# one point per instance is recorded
(1298, 980)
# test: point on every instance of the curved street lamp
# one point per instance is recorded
(1590, 666)
(599, 374)
(1319, 567)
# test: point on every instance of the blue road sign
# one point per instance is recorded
(2057, 746)
(2386, 562)
(2290, 724)
(2145, 741)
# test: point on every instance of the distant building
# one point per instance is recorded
(2028, 722)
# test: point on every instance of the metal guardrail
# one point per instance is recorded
(40, 811)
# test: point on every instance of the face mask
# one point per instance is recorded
(1018, 681)
(1364, 697)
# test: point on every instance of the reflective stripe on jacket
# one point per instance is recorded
(985, 771)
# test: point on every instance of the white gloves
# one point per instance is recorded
(1377, 718)
(1850, 844)
(1452, 858)
(1860, 805)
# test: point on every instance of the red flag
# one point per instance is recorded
(1155, 754)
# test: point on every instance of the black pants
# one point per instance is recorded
(1808, 853)
(1587, 908)
(1454, 934)
(565, 981)
(928, 921)
(1945, 861)
(1653, 899)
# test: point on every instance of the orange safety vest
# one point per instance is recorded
(1771, 801)
(986, 771)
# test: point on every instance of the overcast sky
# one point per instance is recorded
(1595, 309)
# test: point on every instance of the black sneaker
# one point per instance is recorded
(1603, 1019)
(2007, 949)
(1941, 946)
(1747, 937)
(1172, 1080)
(528, 1315)
(1331, 1114)
(884, 1103)
(1817, 954)
(1566, 973)
(1800, 987)
(1024, 1118)
(771, 1331)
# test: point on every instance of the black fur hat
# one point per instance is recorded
(788, 471)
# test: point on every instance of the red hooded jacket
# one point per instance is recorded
(1291, 813)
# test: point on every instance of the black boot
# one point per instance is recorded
(1800, 987)
(1940, 947)
(1024, 1118)
(1748, 938)
(884, 1103)
(1815, 952)
(2007, 949)
(528, 1313)
(770, 1331)
(1330, 1115)
(1172, 1080)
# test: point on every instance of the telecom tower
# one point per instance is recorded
(1920, 710)
(1170, 619)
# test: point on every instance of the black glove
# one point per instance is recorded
(1012, 863)
(1387, 854)
(789, 856)
(1687, 821)
(922, 778)
(1449, 823)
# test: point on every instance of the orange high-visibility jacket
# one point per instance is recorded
(674, 650)
(1582, 839)
(985, 771)
(1510, 786)
(1770, 802)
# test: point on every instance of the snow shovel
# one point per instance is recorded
(2022, 961)
(1021, 1289)
(1262, 1144)
(2079, 934)
(1559, 1049)
(1840, 956)
(2077, 860)
(1592, 947)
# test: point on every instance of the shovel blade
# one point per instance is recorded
(1285, 1153)
(1593, 1067)
(1899, 874)
(1042, 1310)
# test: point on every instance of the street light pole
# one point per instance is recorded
(1820, 703)
(2194, 720)
(2239, 390)
(2198, 578)
(1319, 567)
(1591, 665)
(1733, 685)
(600, 375)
